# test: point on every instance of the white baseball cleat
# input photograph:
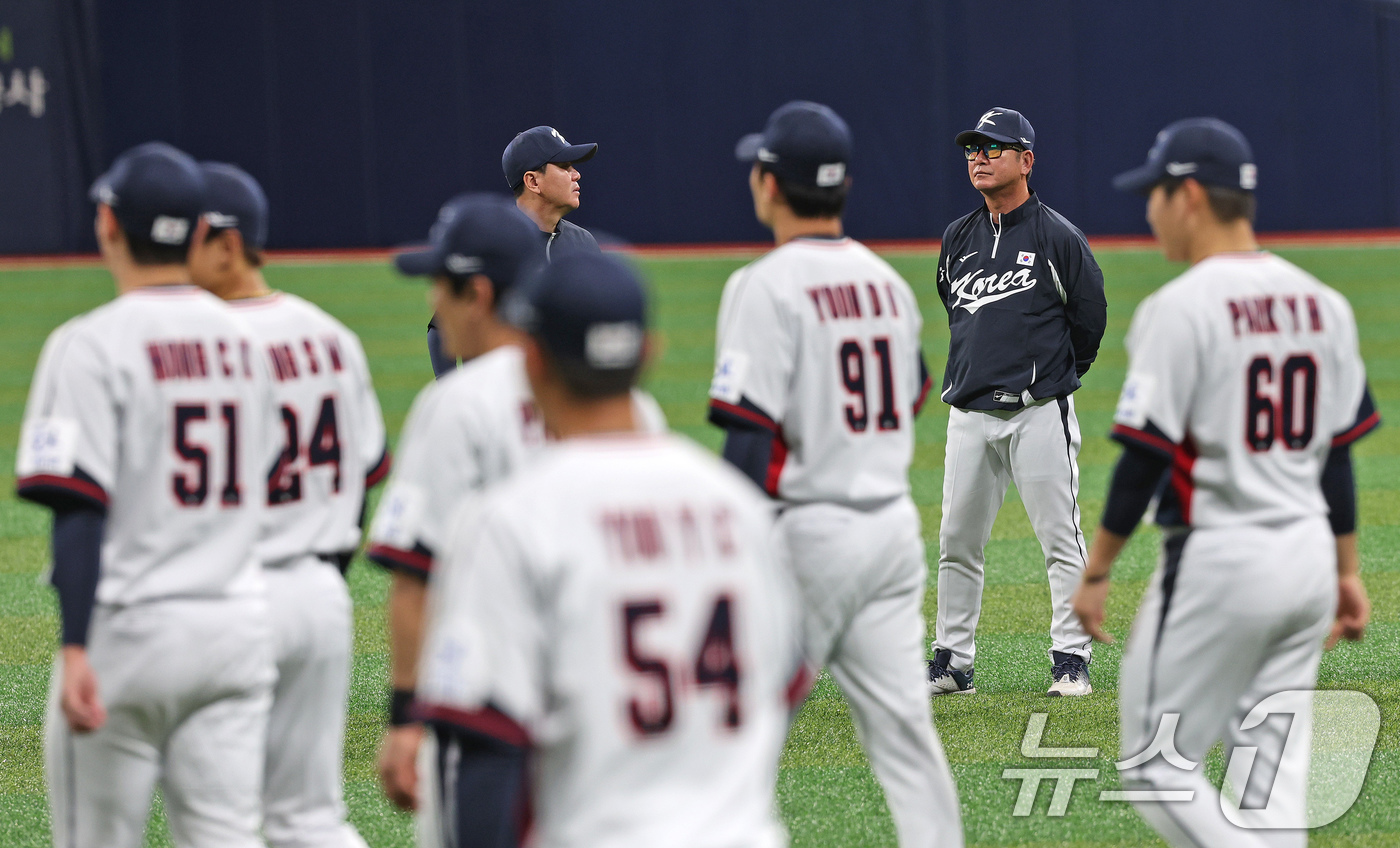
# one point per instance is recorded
(1070, 675)
(943, 680)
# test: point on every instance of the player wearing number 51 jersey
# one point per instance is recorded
(614, 642)
(147, 432)
(1245, 384)
(332, 438)
(818, 377)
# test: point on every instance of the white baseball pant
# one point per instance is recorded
(1233, 616)
(187, 685)
(862, 574)
(1037, 448)
(312, 633)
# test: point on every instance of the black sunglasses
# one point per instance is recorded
(993, 149)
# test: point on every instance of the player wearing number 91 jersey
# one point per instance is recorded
(148, 431)
(817, 381)
(618, 610)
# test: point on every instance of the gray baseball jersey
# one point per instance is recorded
(467, 430)
(818, 342)
(620, 607)
(156, 406)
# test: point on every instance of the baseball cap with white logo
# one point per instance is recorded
(804, 142)
(477, 233)
(537, 147)
(156, 191)
(589, 311)
(999, 124)
(233, 200)
(1207, 150)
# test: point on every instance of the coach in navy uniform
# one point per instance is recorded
(539, 167)
(1026, 313)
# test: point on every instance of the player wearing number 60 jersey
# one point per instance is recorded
(614, 644)
(148, 431)
(1245, 380)
(333, 448)
(818, 377)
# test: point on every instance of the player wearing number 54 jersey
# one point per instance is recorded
(333, 448)
(1246, 381)
(614, 641)
(818, 377)
(148, 433)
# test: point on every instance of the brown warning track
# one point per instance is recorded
(1318, 238)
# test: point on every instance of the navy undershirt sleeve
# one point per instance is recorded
(749, 450)
(1339, 490)
(1135, 480)
(77, 556)
(490, 804)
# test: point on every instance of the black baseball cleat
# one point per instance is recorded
(943, 680)
(1070, 676)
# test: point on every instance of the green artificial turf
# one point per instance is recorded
(826, 792)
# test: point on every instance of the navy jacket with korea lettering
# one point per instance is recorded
(1025, 303)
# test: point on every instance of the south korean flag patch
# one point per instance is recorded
(1025, 257)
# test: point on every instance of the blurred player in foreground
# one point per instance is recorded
(333, 449)
(818, 378)
(614, 646)
(1026, 313)
(1245, 380)
(472, 428)
(149, 431)
(539, 168)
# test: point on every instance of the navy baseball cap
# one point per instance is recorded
(589, 311)
(537, 147)
(478, 233)
(156, 191)
(804, 142)
(1208, 150)
(233, 200)
(1000, 124)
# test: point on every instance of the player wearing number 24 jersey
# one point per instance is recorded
(818, 377)
(1246, 387)
(332, 450)
(613, 645)
(148, 433)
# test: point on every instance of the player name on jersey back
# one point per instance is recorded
(620, 605)
(157, 407)
(818, 343)
(1247, 370)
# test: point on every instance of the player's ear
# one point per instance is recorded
(482, 292)
(105, 225)
(532, 181)
(1027, 162)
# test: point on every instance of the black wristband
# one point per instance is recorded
(399, 701)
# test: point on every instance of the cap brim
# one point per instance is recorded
(100, 187)
(1139, 180)
(575, 153)
(747, 148)
(419, 262)
(974, 136)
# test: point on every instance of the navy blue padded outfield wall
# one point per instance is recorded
(361, 116)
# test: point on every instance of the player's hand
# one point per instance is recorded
(1353, 611)
(82, 706)
(1089, 601)
(398, 764)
